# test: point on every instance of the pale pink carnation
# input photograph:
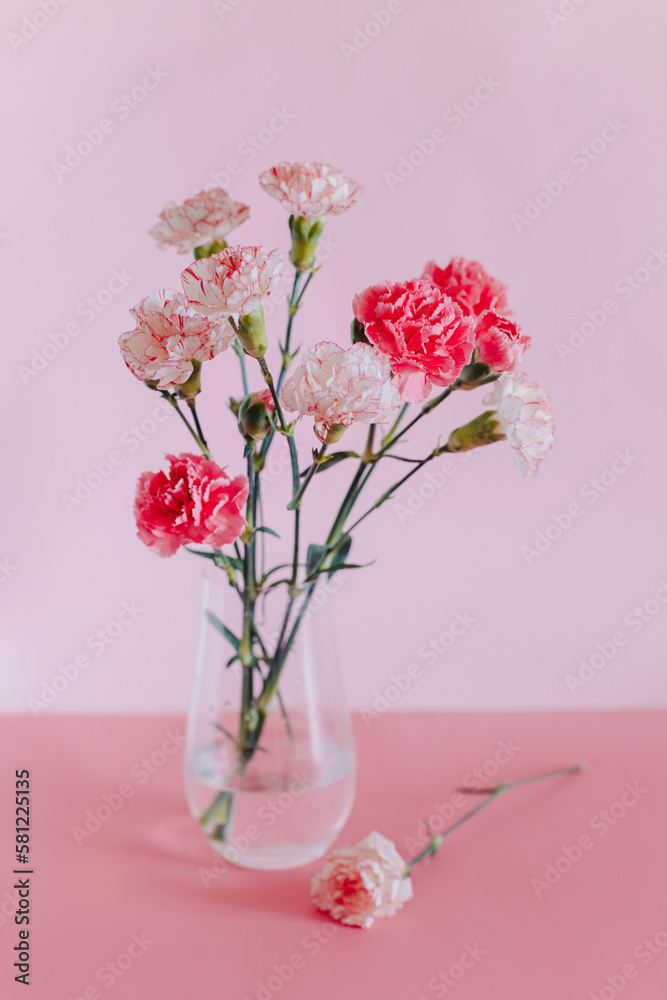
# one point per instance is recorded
(232, 283)
(338, 386)
(422, 332)
(524, 413)
(358, 884)
(311, 190)
(207, 216)
(195, 501)
(469, 285)
(168, 337)
(500, 343)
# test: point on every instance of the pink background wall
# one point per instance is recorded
(223, 73)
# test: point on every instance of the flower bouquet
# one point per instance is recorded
(414, 343)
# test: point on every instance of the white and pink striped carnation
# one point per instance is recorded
(169, 335)
(204, 218)
(339, 386)
(311, 190)
(524, 413)
(232, 283)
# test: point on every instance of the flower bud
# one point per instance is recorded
(188, 390)
(480, 431)
(207, 249)
(252, 333)
(255, 415)
(334, 433)
(357, 332)
(305, 238)
(475, 374)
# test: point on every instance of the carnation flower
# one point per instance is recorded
(500, 343)
(311, 190)
(204, 218)
(232, 283)
(195, 501)
(338, 386)
(168, 337)
(358, 884)
(524, 415)
(469, 285)
(422, 332)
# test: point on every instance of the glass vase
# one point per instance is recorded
(270, 763)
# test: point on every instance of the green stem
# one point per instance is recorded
(392, 489)
(296, 502)
(173, 401)
(493, 794)
(391, 440)
(193, 408)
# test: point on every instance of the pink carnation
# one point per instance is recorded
(194, 502)
(208, 216)
(168, 337)
(469, 285)
(500, 343)
(232, 283)
(424, 334)
(338, 386)
(311, 190)
(523, 410)
(358, 884)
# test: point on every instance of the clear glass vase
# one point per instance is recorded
(270, 765)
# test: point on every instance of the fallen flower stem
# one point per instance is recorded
(493, 794)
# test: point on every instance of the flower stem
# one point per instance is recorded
(391, 439)
(173, 401)
(392, 489)
(317, 458)
(193, 407)
(493, 794)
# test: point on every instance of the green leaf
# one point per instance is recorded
(217, 624)
(204, 555)
(332, 460)
(314, 557)
(269, 531)
(341, 551)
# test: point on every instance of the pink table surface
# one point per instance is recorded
(126, 914)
